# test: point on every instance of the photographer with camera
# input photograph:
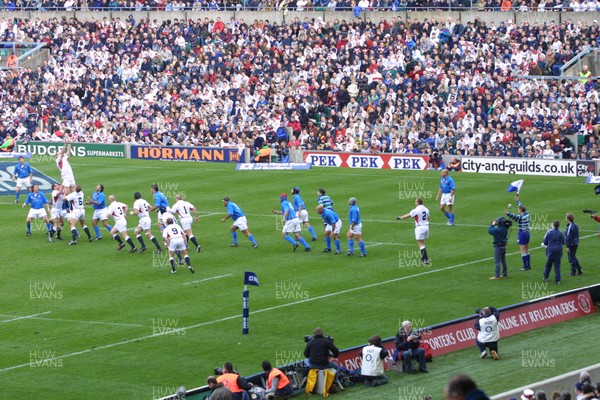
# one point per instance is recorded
(319, 348)
(407, 345)
(553, 241)
(371, 366)
(233, 381)
(488, 331)
(499, 230)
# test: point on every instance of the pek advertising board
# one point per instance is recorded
(372, 161)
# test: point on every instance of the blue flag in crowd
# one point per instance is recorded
(516, 186)
(592, 179)
(250, 278)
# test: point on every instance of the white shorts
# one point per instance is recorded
(101, 214)
(77, 214)
(357, 230)
(292, 226)
(145, 223)
(177, 245)
(421, 232)
(37, 213)
(23, 182)
(303, 216)
(121, 225)
(241, 223)
(68, 180)
(447, 199)
(57, 213)
(186, 223)
(335, 228)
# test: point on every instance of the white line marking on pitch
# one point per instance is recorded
(207, 279)
(24, 317)
(35, 316)
(369, 286)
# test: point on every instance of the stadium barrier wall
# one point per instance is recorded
(365, 160)
(282, 16)
(460, 333)
(77, 149)
(564, 382)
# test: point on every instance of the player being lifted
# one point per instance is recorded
(118, 211)
(66, 171)
(184, 209)
(176, 242)
(141, 208)
(77, 213)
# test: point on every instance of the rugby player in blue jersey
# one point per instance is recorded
(291, 223)
(447, 189)
(302, 213)
(333, 226)
(239, 222)
(355, 231)
(23, 176)
(39, 204)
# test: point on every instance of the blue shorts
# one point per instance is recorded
(523, 237)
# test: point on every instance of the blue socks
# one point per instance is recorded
(351, 245)
(361, 245)
(234, 236)
(526, 261)
(338, 246)
(303, 242)
(328, 242)
(251, 238)
(290, 239)
(312, 232)
(97, 231)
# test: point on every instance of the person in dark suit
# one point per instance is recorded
(571, 243)
(553, 241)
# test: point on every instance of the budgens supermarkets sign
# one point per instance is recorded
(77, 149)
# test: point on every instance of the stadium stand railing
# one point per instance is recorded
(558, 383)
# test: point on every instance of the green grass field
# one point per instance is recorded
(97, 318)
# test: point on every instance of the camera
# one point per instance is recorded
(501, 221)
(308, 338)
(588, 211)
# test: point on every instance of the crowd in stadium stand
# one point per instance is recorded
(302, 5)
(416, 86)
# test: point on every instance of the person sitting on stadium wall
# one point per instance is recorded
(218, 391)
(234, 382)
(318, 350)
(407, 343)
